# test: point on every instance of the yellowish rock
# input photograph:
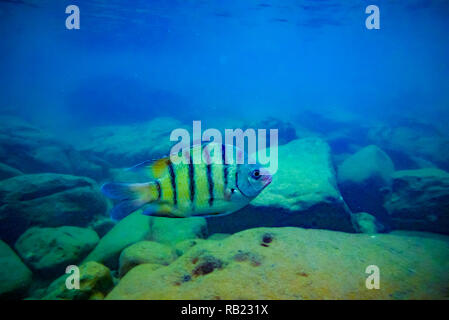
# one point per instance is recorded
(145, 252)
(294, 263)
(183, 246)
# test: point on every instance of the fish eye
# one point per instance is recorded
(256, 174)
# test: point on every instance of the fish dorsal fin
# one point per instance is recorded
(155, 167)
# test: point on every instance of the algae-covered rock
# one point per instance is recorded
(303, 193)
(294, 263)
(369, 162)
(366, 223)
(145, 252)
(103, 226)
(31, 150)
(8, 171)
(133, 228)
(95, 282)
(286, 131)
(411, 138)
(48, 200)
(218, 236)
(420, 200)
(50, 250)
(15, 277)
(185, 245)
(365, 178)
(420, 234)
(171, 231)
(127, 145)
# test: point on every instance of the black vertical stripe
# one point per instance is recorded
(211, 184)
(192, 180)
(225, 175)
(225, 166)
(223, 154)
(158, 188)
(173, 181)
(237, 178)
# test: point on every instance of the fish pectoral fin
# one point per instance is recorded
(228, 193)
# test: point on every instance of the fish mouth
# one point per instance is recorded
(267, 179)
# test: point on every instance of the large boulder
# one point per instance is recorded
(145, 252)
(31, 150)
(294, 263)
(409, 140)
(132, 229)
(8, 171)
(127, 145)
(49, 251)
(303, 193)
(420, 200)
(95, 282)
(365, 179)
(286, 130)
(48, 200)
(15, 277)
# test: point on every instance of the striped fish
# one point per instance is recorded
(203, 181)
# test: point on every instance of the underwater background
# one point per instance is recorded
(363, 175)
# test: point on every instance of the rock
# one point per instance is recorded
(303, 193)
(420, 200)
(408, 139)
(15, 277)
(95, 282)
(32, 150)
(343, 131)
(48, 200)
(103, 226)
(218, 236)
(171, 231)
(8, 171)
(364, 179)
(286, 131)
(185, 245)
(128, 145)
(366, 223)
(294, 263)
(133, 228)
(420, 234)
(49, 251)
(145, 252)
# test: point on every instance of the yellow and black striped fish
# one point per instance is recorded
(184, 187)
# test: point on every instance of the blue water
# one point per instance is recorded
(73, 102)
(209, 58)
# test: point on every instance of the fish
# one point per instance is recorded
(214, 185)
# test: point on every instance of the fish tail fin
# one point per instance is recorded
(130, 196)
